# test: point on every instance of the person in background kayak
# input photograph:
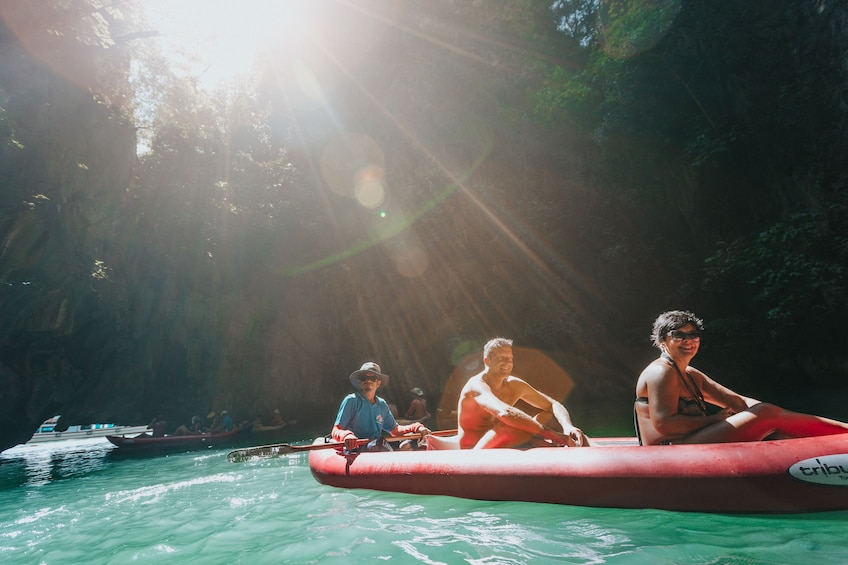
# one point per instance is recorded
(671, 397)
(158, 425)
(214, 425)
(487, 415)
(226, 422)
(364, 415)
(417, 411)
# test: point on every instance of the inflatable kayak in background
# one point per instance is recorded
(782, 476)
(185, 442)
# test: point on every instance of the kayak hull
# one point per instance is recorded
(184, 442)
(783, 476)
(267, 429)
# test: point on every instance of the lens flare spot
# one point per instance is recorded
(410, 261)
(349, 160)
(370, 194)
(369, 190)
(465, 352)
(306, 81)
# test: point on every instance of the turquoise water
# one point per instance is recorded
(75, 502)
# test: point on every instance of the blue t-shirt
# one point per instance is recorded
(364, 419)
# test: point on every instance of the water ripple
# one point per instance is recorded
(154, 492)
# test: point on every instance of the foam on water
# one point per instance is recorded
(79, 504)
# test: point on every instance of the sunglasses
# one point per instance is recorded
(678, 335)
(369, 377)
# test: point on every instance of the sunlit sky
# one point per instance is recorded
(216, 40)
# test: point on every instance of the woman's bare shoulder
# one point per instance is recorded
(656, 369)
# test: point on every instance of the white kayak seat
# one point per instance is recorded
(442, 442)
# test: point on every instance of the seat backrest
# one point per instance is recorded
(645, 430)
(636, 424)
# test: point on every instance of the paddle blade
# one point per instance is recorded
(240, 455)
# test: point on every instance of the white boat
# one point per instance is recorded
(47, 431)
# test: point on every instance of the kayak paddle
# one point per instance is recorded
(277, 449)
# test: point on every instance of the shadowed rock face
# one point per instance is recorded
(47, 302)
(66, 160)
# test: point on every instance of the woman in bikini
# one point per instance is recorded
(672, 397)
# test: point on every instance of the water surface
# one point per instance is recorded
(77, 503)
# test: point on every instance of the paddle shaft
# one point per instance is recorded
(277, 449)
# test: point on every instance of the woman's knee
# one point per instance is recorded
(768, 411)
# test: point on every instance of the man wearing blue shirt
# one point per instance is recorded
(364, 415)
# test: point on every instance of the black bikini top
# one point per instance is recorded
(689, 382)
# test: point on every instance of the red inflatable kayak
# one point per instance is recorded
(783, 476)
(196, 441)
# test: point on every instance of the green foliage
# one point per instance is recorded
(628, 27)
(576, 19)
(566, 98)
(707, 121)
(794, 269)
(790, 281)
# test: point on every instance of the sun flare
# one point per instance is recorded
(219, 40)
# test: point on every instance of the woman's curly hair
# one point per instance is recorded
(672, 320)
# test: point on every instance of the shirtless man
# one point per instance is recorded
(487, 415)
(417, 411)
